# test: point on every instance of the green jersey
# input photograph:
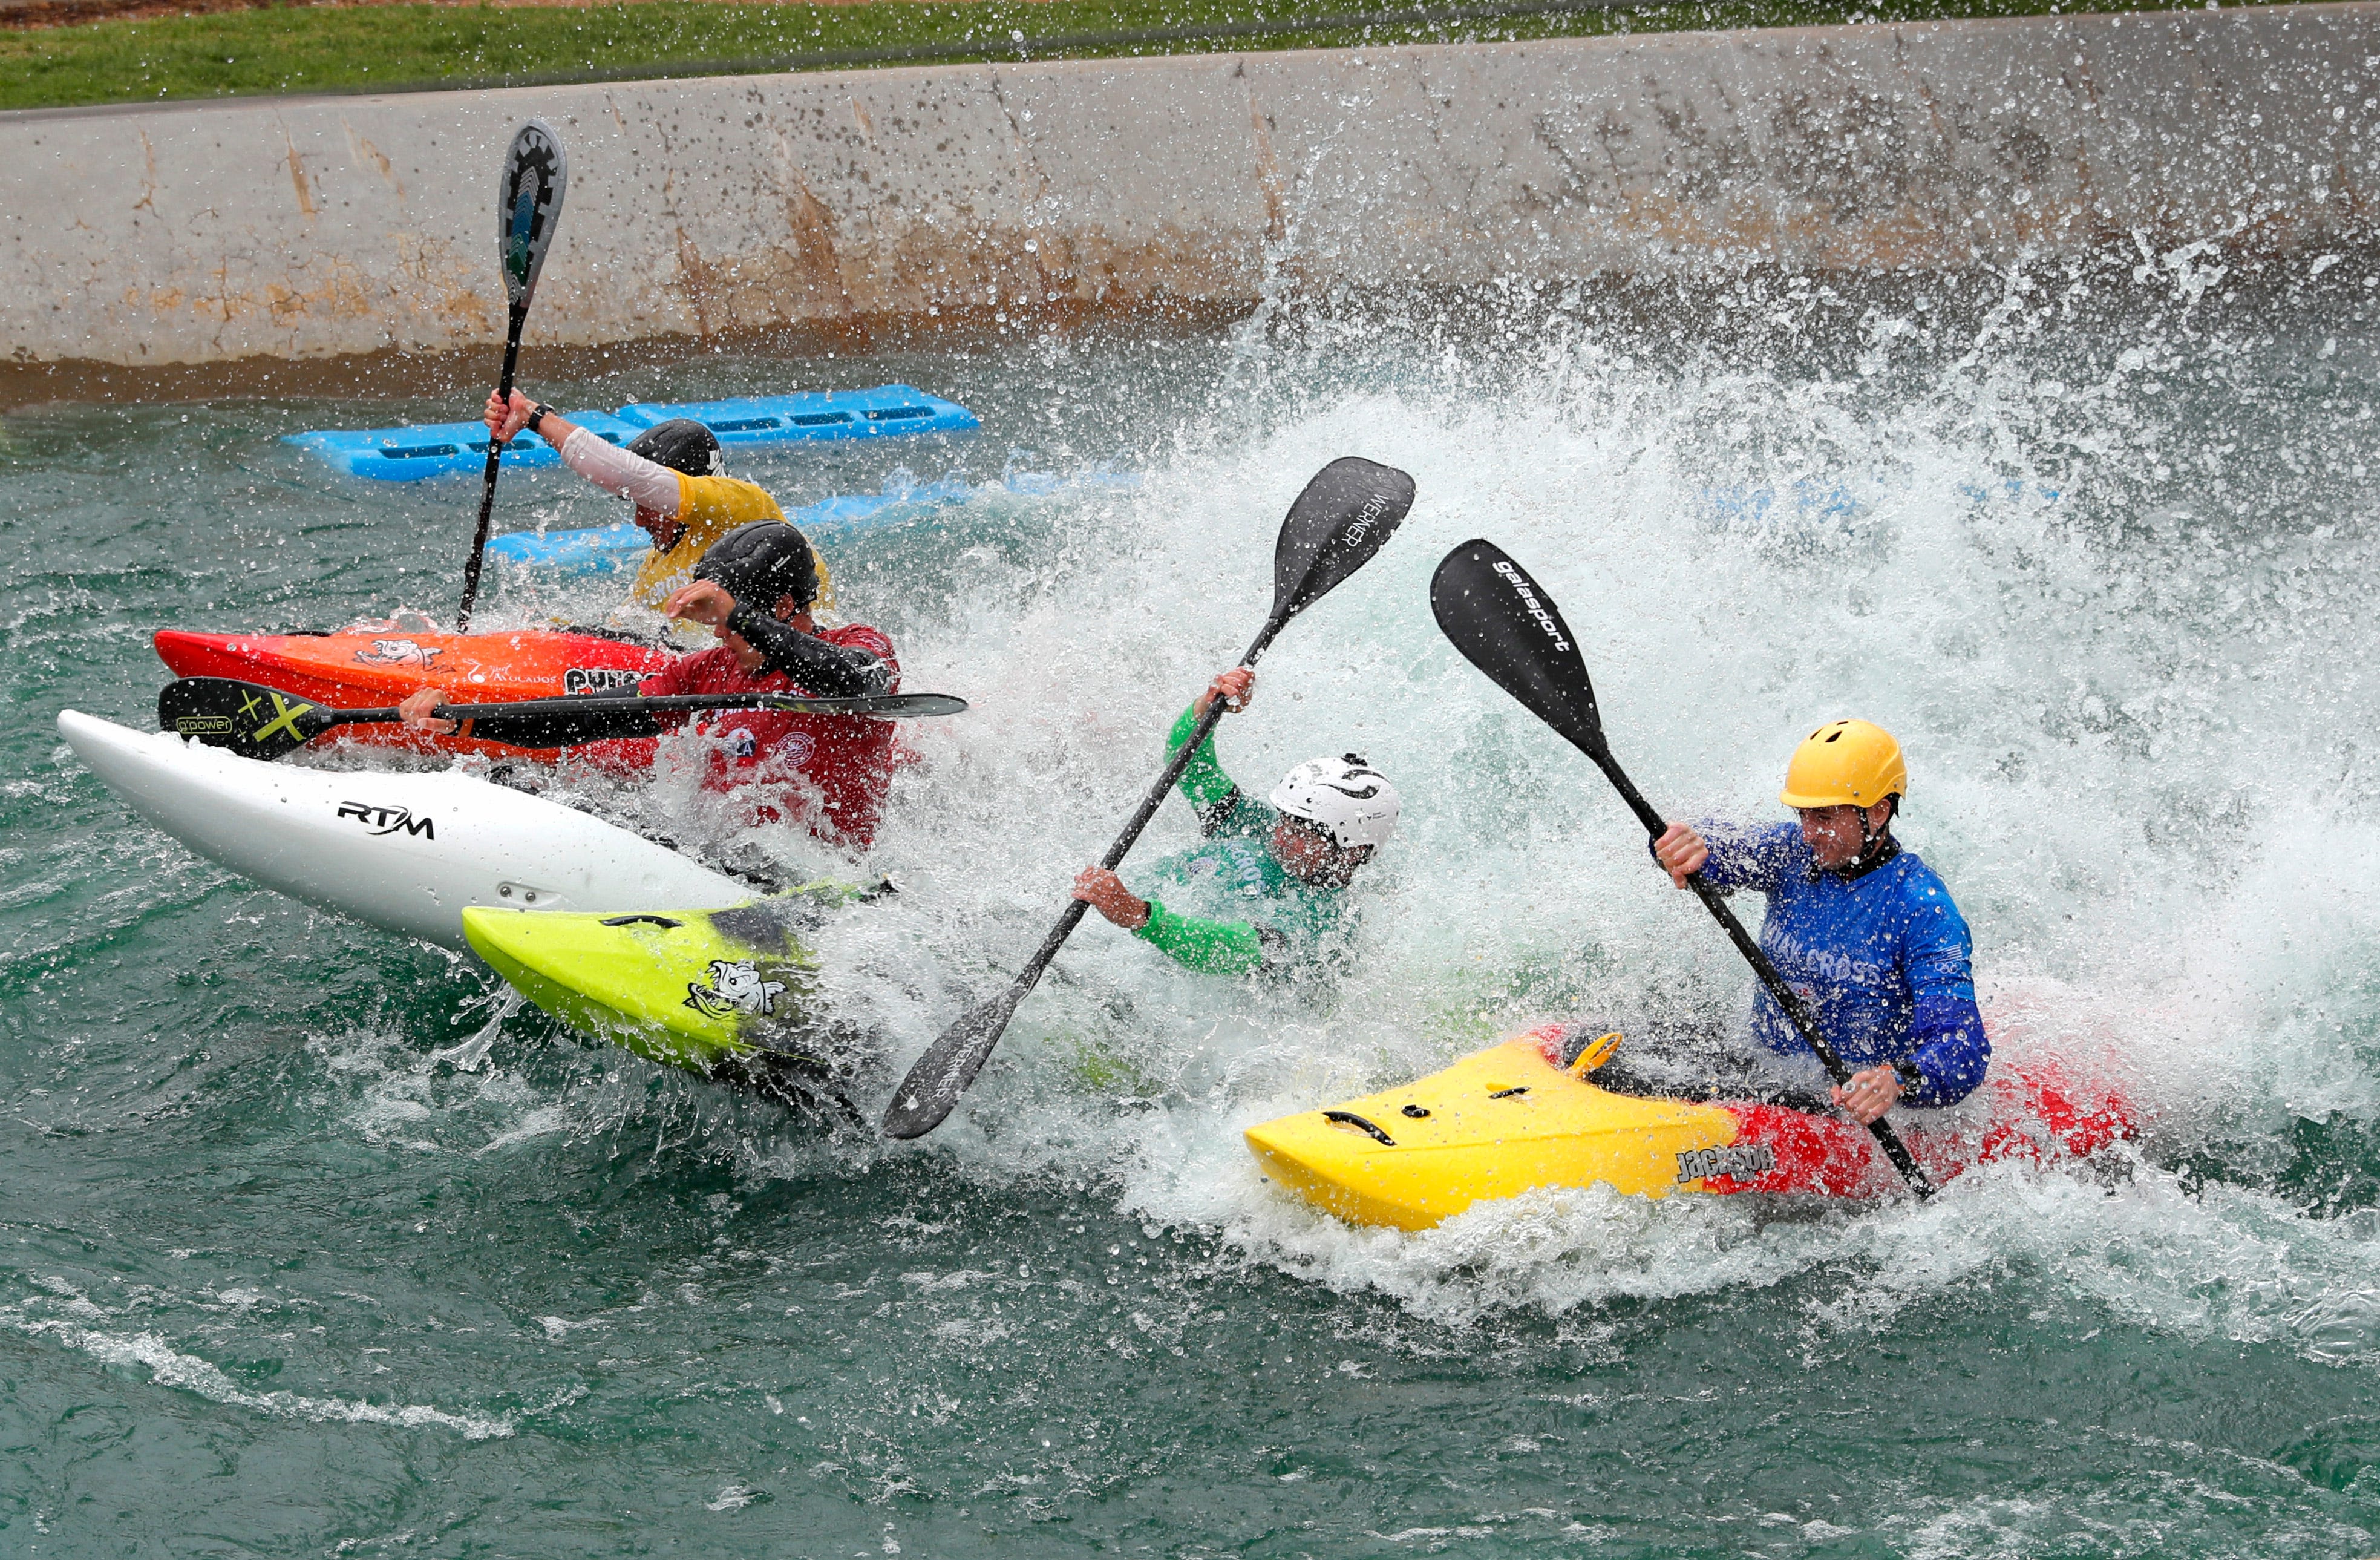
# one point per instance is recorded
(1234, 910)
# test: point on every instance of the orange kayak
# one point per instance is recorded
(369, 667)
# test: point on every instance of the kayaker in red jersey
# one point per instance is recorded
(829, 770)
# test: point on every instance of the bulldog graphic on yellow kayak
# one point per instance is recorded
(727, 993)
(735, 986)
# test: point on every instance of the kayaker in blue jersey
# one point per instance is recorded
(1860, 927)
(1266, 893)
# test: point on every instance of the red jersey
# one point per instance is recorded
(829, 770)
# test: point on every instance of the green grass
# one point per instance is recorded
(330, 48)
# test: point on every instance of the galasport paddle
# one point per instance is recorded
(1504, 624)
(528, 205)
(1345, 516)
(257, 721)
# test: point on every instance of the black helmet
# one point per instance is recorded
(760, 562)
(682, 444)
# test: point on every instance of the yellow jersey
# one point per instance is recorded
(707, 509)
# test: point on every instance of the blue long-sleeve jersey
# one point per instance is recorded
(1883, 960)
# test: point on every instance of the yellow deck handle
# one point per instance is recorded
(1598, 1051)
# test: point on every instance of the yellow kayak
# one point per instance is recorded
(726, 992)
(1509, 1120)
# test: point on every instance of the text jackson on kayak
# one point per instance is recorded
(1861, 928)
(1271, 880)
(674, 474)
(755, 589)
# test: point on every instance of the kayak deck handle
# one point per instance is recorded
(1419, 1113)
(1507, 1093)
(663, 921)
(1349, 1118)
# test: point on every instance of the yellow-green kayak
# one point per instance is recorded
(728, 994)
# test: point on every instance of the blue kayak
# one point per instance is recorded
(438, 449)
(1812, 506)
(621, 548)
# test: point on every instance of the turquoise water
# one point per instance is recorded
(316, 1244)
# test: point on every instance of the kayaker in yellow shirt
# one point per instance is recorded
(674, 474)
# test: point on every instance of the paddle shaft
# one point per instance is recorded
(1072, 917)
(1786, 997)
(488, 483)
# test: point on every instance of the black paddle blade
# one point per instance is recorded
(1345, 515)
(1504, 624)
(529, 203)
(254, 721)
(942, 1074)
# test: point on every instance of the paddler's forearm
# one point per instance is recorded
(1209, 789)
(1952, 1052)
(825, 670)
(1211, 947)
(554, 429)
(646, 483)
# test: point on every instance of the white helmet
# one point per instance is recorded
(1346, 796)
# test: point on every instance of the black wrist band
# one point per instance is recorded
(1911, 1076)
(537, 415)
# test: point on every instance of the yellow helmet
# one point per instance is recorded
(1845, 762)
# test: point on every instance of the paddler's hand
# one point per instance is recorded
(415, 707)
(1681, 852)
(1869, 1094)
(1105, 892)
(504, 418)
(702, 602)
(1235, 687)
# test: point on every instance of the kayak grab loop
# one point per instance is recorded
(1349, 1118)
(1593, 1054)
(642, 917)
(1507, 1093)
(1419, 1113)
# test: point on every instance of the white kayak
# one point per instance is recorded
(406, 852)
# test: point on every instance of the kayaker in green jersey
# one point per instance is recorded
(1267, 891)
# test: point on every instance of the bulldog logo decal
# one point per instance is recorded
(736, 987)
(397, 652)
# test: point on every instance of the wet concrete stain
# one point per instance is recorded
(706, 208)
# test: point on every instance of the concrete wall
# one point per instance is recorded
(308, 227)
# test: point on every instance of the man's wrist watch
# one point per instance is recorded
(1912, 1078)
(536, 416)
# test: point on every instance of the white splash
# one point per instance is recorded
(169, 1367)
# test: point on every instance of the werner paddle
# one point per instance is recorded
(528, 205)
(1504, 624)
(1346, 513)
(263, 723)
